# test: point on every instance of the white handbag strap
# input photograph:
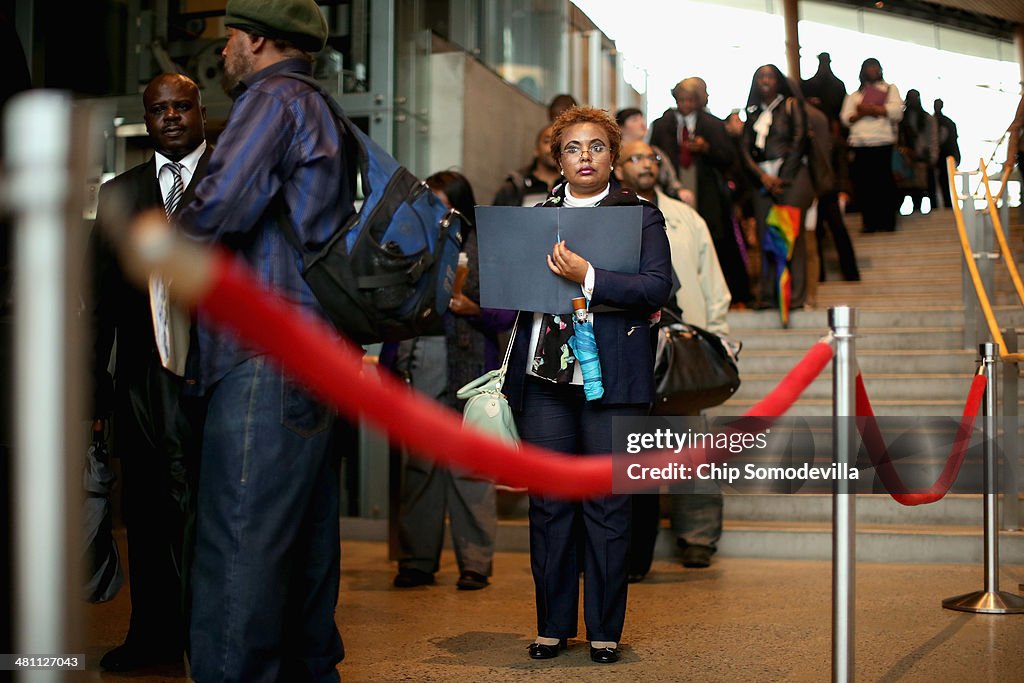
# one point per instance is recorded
(508, 352)
(511, 341)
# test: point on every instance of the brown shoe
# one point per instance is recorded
(697, 556)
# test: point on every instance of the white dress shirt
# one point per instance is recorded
(188, 169)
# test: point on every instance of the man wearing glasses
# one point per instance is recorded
(703, 296)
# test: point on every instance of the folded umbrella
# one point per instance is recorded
(584, 347)
(783, 228)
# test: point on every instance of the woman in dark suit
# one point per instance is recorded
(545, 389)
(773, 151)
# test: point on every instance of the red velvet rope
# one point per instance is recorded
(332, 368)
(877, 450)
(784, 395)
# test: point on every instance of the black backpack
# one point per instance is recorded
(386, 274)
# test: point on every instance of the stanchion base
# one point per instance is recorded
(984, 602)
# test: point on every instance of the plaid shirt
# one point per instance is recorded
(280, 137)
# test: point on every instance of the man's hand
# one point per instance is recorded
(733, 125)
(461, 304)
(567, 264)
(699, 145)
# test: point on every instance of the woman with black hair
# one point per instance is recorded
(873, 114)
(774, 144)
(438, 366)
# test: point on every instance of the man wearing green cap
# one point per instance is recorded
(266, 570)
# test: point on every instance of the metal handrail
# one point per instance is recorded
(1002, 186)
(1007, 168)
(972, 268)
(997, 226)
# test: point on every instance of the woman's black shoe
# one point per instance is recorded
(539, 651)
(604, 655)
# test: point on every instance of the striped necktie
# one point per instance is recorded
(173, 197)
(170, 326)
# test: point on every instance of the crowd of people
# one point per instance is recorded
(230, 475)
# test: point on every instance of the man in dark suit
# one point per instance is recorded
(948, 147)
(153, 436)
(828, 88)
(696, 143)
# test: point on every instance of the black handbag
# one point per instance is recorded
(693, 369)
(103, 574)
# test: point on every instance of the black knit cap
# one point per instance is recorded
(300, 22)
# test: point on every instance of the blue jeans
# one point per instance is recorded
(266, 573)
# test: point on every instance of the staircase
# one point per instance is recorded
(909, 341)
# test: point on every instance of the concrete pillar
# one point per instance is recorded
(790, 16)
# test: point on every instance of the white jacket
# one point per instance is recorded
(873, 131)
(703, 293)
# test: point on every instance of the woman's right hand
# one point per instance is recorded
(871, 110)
(772, 184)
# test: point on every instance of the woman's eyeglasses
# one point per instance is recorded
(595, 150)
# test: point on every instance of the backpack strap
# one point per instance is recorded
(278, 206)
(351, 130)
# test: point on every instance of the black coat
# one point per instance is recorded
(712, 194)
(116, 305)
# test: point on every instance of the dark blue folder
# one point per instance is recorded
(515, 241)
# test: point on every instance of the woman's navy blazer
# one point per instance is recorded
(624, 344)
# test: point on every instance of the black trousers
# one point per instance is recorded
(731, 260)
(942, 183)
(558, 417)
(875, 187)
(646, 524)
(155, 439)
(829, 214)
